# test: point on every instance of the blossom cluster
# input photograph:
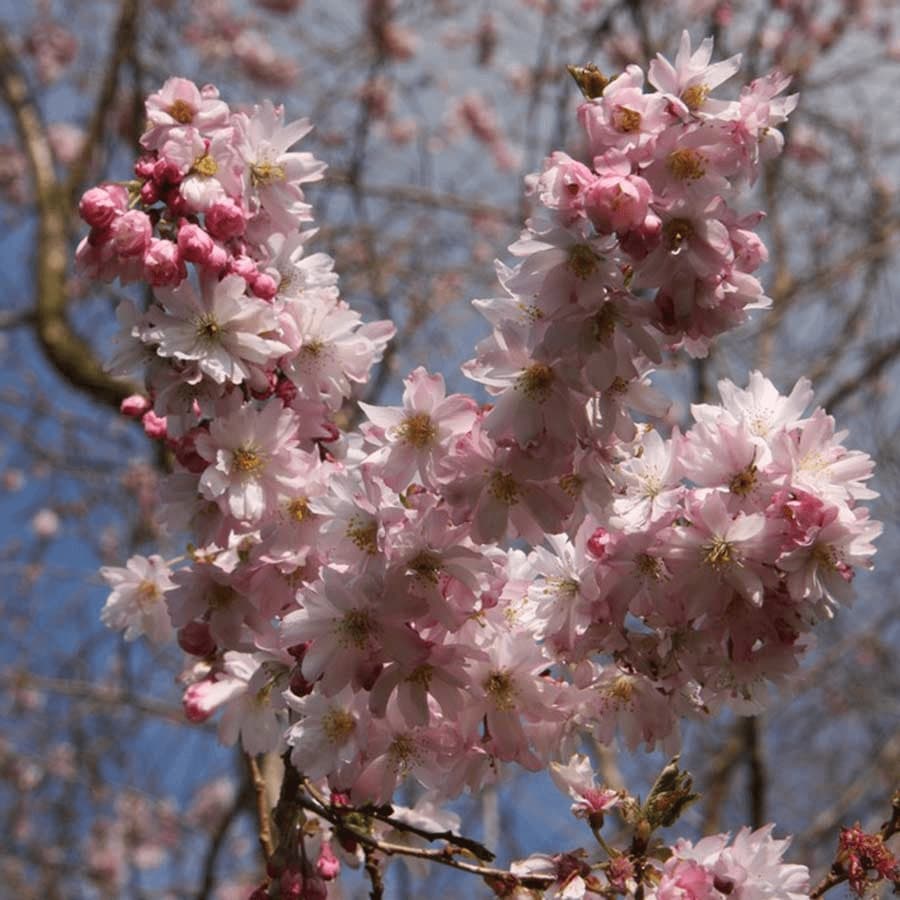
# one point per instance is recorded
(365, 598)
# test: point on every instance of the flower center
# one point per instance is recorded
(220, 596)
(571, 484)
(675, 233)
(562, 588)
(648, 566)
(535, 382)
(500, 688)
(147, 593)
(417, 430)
(208, 328)
(264, 173)
(619, 385)
(686, 165)
(604, 323)
(719, 554)
(744, 482)
(205, 166)
(363, 534)
(582, 260)
(626, 120)
(354, 629)
(426, 566)
(181, 112)
(247, 460)
(338, 725)
(403, 753)
(298, 508)
(313, 348)
(503, 487)
(695, 96)
(621, 689)
(421, 675)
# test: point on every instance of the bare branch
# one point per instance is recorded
(71, 356)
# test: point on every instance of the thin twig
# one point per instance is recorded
(262, 807)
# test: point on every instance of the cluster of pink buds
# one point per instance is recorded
(356, 597)
(213, 188)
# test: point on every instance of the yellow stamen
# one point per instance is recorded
(582, 260)
(205, 166)
(744, 482)
(247, 460)
(686, 164)
(338, 725)
(695, 96)
(354, 629)
(503, 487)
(181, 112)
(626, 120)
(500, 687)
(264, 173)
(417, 430)
(676, 232)
(535, 382)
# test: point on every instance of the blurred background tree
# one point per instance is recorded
(429, 113)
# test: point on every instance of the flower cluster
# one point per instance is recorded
(355, 597)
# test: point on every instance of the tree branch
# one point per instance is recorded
(68, 353)
(123, 48)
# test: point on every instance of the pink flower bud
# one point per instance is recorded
(269, 389)
(194, 243)
(264, 286)
(195, 638)
(100, 205)
(245, 267)
(166, 172)
(149, 193)
(178, 206)
(186, 452)
(131, 233)
(134, 406)
(99, 237)
(327, 865)
(225, 220)
(154, 425)
(597, 542)
(163, 265)
(143, 168)
(286, 391)
(218, 257)
(617, 202)
(199, 701)
(642, 240)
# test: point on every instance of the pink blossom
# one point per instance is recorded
(416, 437)
(99, 206)
(136, 603)
(163, 264)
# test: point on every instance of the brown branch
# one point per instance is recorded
(873, 369)
(420, 196)
(723, 766)
(472, 846)
(443, 856)
(68, 353)
(217, 842)
(373, 870)
(756, 788)
(122, 49)
(262, 807)
(94, 693)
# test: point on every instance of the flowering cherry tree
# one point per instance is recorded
(459, 588)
